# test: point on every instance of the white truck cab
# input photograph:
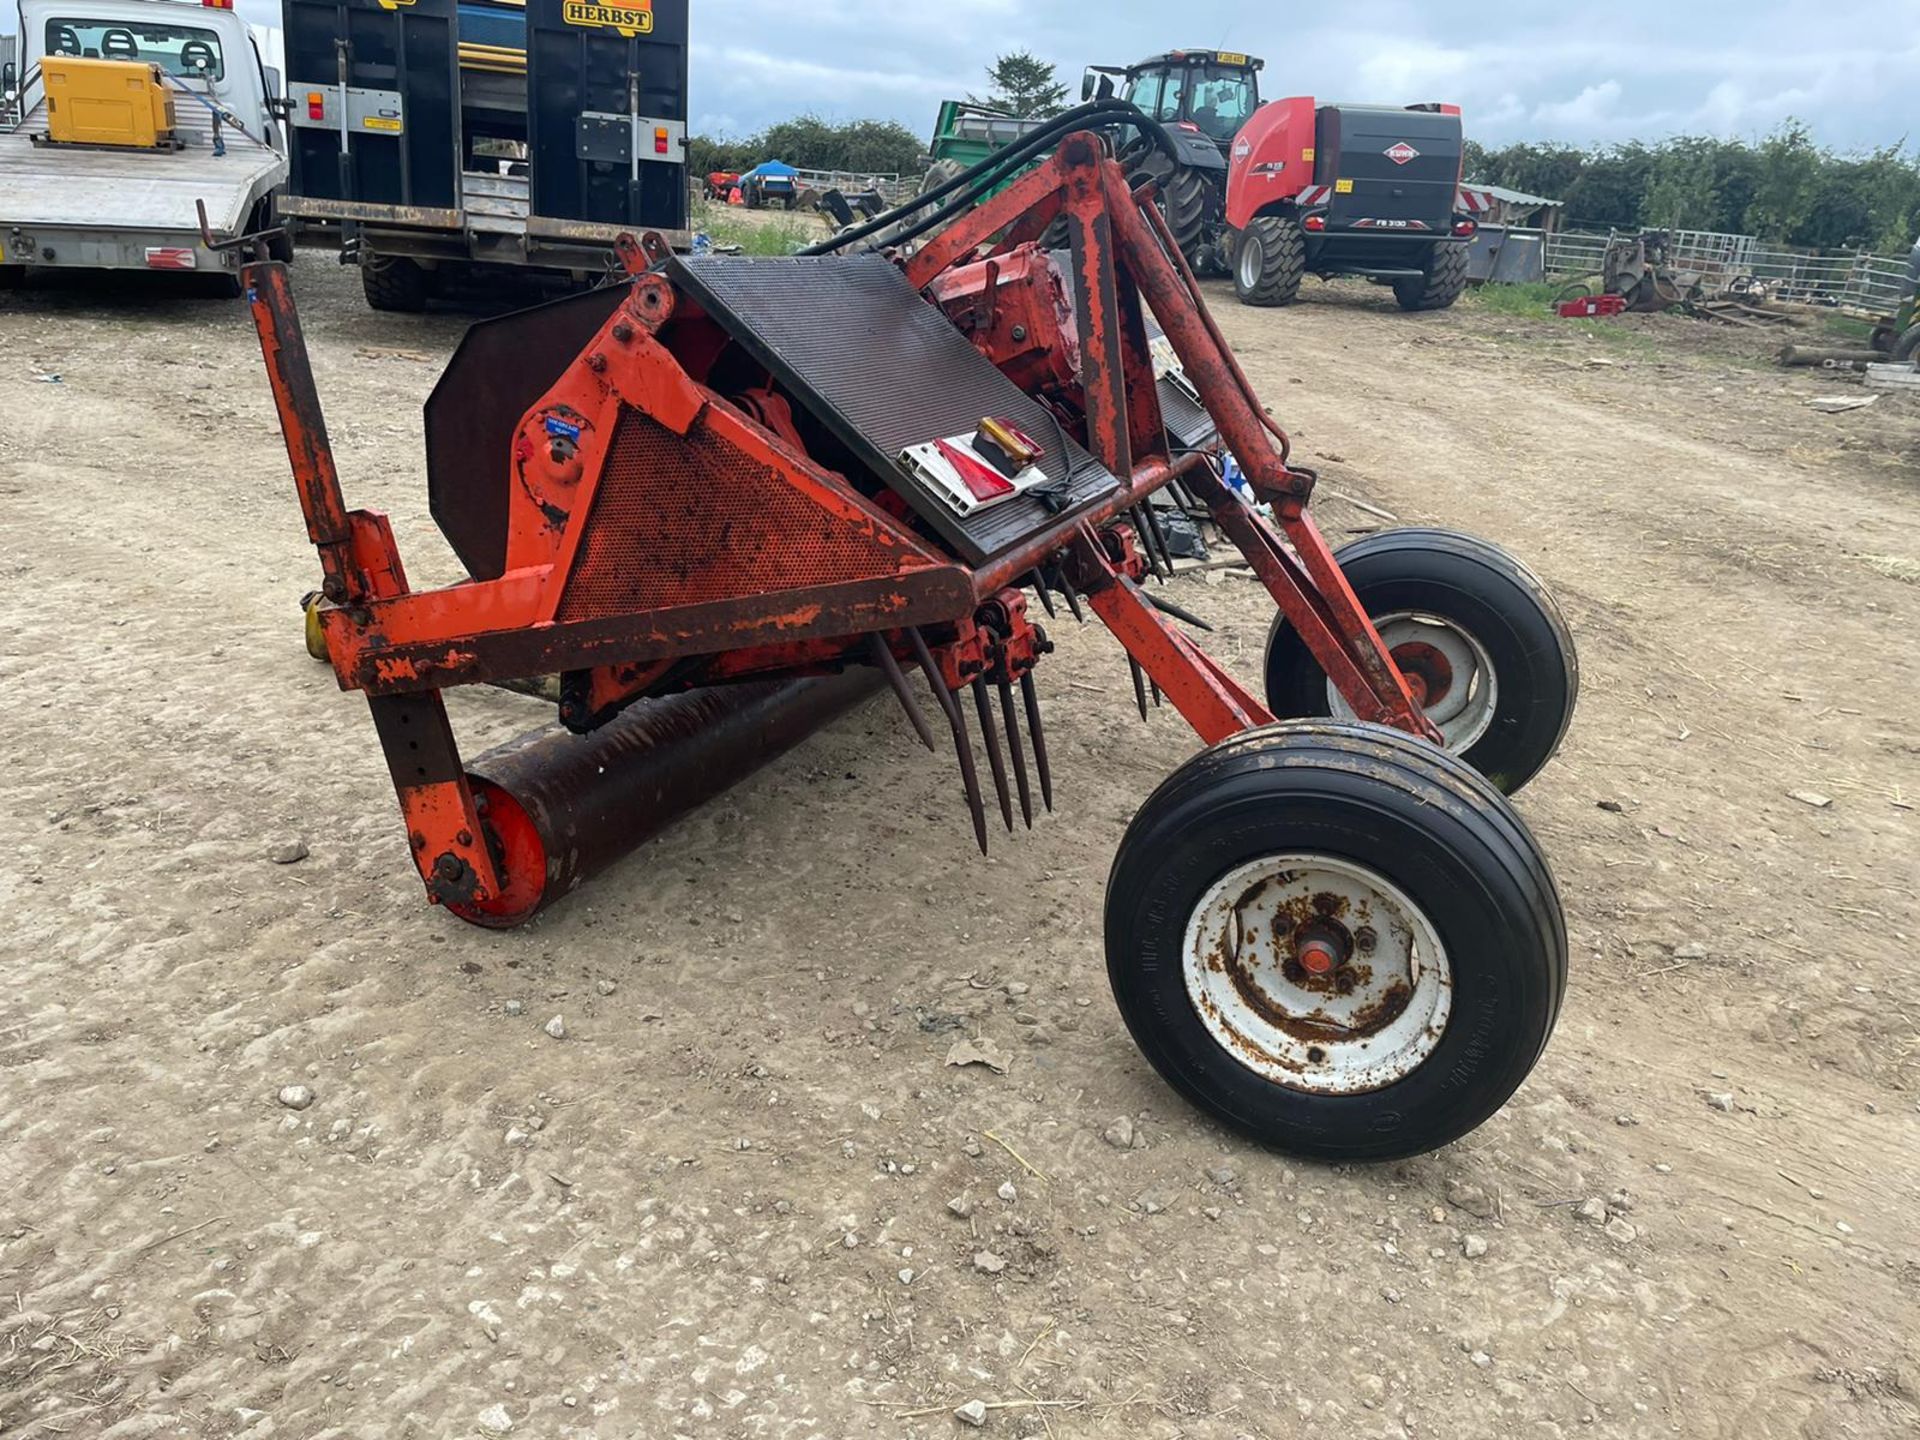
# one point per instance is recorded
(67, 202)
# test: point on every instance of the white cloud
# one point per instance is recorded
(1735, 67)
(1591, 110)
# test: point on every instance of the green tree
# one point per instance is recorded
(1789, 174)
(867, 147)
(1025, 85)
(706, 154)
(1683, 185)
(1612, 185)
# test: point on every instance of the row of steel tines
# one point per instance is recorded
(994, 654)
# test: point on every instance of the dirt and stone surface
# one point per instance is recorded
(285, 1152)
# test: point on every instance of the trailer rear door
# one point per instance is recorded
(607, 111)
(375, 94)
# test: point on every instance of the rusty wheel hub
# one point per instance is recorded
(1447, 669)
(1318, 973)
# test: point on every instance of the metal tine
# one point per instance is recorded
(1039, 583)
(1160, 536)
(995, 760)
(1179, 612)
(1011, 720)
(962, 746)
(1146, 542)
(969, 776)
(1067, 593)
(1139, 685)
(890, 667)
(924, 657)
(1039, 737)
(1153, 687)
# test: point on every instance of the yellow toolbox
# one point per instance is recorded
(107, 102)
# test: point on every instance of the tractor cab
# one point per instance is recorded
(1214, 91)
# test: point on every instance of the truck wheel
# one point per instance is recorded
(1269, 261)
(1337, 939)
(1444, 278)
(1906, 344)
(1473, 630)
(392, 282)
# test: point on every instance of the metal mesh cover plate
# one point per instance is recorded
(685, 520)
(883, 369)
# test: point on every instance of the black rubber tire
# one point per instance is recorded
(1417, 816)
(1489, 594)
(1188, 199)
(265, 217)
(1269, 260)
(12, 277)
(1905, 345)
(939, 173)
(1444, 277)
(393, 282)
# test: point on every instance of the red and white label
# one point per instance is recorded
(1400, 152)
(171, 257)
(961, 477)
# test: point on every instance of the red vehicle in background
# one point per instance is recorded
(1270, 193)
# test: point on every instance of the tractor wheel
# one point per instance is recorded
(1269, 261)
(1440, 286)
(392, 282)
(1906, 345)
(1188, 200)
(1472, 629)
(1337, 939)
(1185, 200)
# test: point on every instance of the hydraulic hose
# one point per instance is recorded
(977, 179)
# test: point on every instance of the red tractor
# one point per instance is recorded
(1270, 193)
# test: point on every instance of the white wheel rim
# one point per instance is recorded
(1250, 261)
(1428, 648)
(1370, 1020)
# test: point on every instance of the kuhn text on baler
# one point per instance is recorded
(728, 498)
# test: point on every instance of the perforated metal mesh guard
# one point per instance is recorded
(883, 369)
(683, 520)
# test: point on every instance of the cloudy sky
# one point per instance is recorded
(1540, 72)
(1549, 72)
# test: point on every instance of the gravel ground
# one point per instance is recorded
(288, 1153)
